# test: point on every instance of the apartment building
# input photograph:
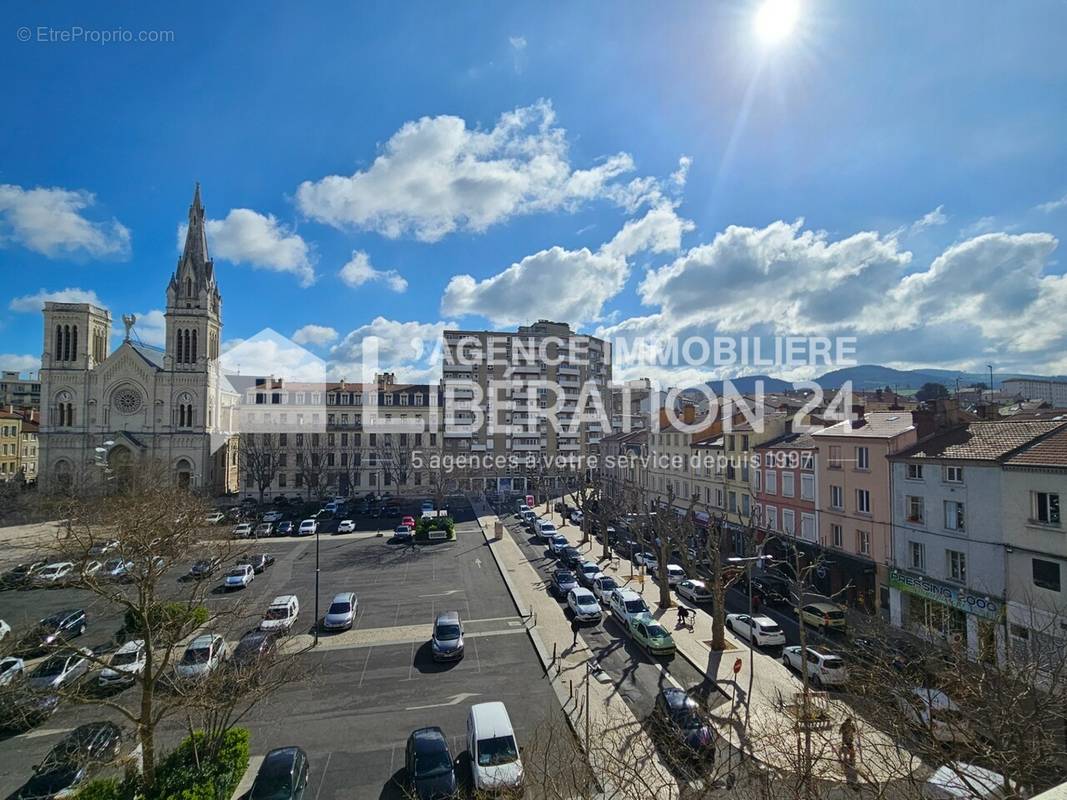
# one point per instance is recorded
(854, 501)
(741, 478)
(10, 445)
(631, 405)
(19, 391)
(500, 390)
(28, 448)
(1053, 392)
(624, 465)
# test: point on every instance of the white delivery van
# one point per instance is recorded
(494, 752)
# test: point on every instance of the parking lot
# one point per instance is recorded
(366, 689)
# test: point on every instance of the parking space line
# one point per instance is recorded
(477, 658)
(363, 674)
(411, 665)
(322, 780)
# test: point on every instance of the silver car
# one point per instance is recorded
(341, 613)
(446, 643)
(61, 669)
(204, 655)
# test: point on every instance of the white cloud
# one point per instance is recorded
(930, 220)
(270, 353)
(359, 271)
(436, 176)
(411, 350)
(50, 221)
(517, 42)
(261, 241)
(568, 285)
(680, 175)
(315, 334)
(35, 302)
(1053, 205)
(19, 363)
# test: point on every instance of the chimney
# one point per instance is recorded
(689, 414)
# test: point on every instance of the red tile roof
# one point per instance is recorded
(981, 441)
(1049, 452)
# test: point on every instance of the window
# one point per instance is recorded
(915, 509)
(756, 480)
(807, 487)
(917, 553)
(863, 542)
(745, 504)
(789, 521)
(733, 501)
(837, 498)
(915, 472)
(788, 484)
(835, 456)
(807, 527)
(1046, 508)
(957, 565)
(718, 498)
(772, 482)
(837, 536)
(863, 501)
(1046, 574)
(772, 518)
(953, 474)
(954, 520)
(863, 458)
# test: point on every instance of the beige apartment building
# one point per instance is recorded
(497, 389)
(10, 445)
(855, 502)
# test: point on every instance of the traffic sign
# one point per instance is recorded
(737, 666)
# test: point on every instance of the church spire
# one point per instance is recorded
(195, 267)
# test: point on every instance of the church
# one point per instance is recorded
(104, 412)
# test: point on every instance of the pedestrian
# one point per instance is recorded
(683, 615)
(848, 741)
(757, 601)
(575, 627)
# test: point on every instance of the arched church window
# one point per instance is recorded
(192, 359)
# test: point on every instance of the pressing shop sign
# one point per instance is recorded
(955, 596)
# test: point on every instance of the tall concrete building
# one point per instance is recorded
(500, 390)
(1053, 392)
(19, 391)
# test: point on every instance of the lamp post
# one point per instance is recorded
(748, 561)
(316, 631)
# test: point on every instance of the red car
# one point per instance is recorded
(409, 521)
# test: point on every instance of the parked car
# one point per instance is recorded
(935, 713)
(21, 574)
(557, 543)
(626, 603)
(645, 558)
(571, 557)
(206, 653)
(263, 529)
(215, 518)
(90, 568)
(273, 516)
(11, 670)
(409, 521)
(694, 591)
(254, 646)
(239, 577)
(446, 641)
(116, 569)
(824, 616)
(260, 561)
(125, 664)
(243, 530)
(308, 527)
(770, 590)
(650, 635)
(494, 752)
(285, 528)
(283, 775)
(54, 574)
(53, 631)
(544, 530)
(603, 586)
(341, 613)
(680, 720)
(281, 614)
(5, 630)
(61, 669)
(428, 765)
(402, 533)
(588, 571)
(584, 605)
(346, 526)
(763, 631)
(675, 574)
(104, 547)
(205, 567)
(563, 581)
(528, 517)
(521, 507)
(22, 710)
(70, 763)
(824, 669)
(576, 517)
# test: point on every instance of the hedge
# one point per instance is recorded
(168, 621)
(426, 524)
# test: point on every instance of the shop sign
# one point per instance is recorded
(953, 596)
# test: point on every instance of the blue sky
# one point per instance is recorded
(890, 171)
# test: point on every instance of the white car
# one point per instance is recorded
(587, 572)
(675, 574)
(308, 527)
(557, 543)
(584, 605)
(115, 569)
(603, 587)
(204, 655)
(521, 508)
(5, 629)
(824, 669)
(626, 604)
(54, 574)
(763, 631)
(125, 664)
(281, 614)
(936, 713)
(61, 669)
(645, 559)
(544, 529)
(346, 526)
(239, 577)
(215, 518)
(576, 517)
(243, 531)
(273, 516)
(90, 568)
(694, 591)
(11, 669)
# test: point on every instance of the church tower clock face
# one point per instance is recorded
(126, 401)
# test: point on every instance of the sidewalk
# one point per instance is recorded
(756, 721)
(612, 724)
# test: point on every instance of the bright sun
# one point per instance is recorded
(775, 20)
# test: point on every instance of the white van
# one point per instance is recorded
(626, 604)
(281, 614)
(544, 529)
(494, 752)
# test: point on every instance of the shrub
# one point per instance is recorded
(167, 621)
(102, 789)
(190, 772)
(426, 524)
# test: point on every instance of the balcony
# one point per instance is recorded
(526, 448)
(569, 447)
(526, 369)
(453, 434)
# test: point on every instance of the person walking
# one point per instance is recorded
(848, 742)
(575, 627)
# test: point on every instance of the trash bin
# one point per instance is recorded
(498, 529)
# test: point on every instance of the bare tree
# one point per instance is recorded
(311, 462)
(260, 459)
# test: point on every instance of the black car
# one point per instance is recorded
(205, 567)
(679, 720)
(21, 711)
(260, 562)
(52, 631)
(431, 774)
(254, 646)
(285, 528)
(571, 557)
(73, 760)
(563, 580)
(283, 775)
(769, 590)
(21, 574)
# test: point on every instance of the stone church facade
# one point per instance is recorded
(104, 412)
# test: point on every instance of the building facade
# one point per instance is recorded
(19, 391)
(137, 404)
(10, 445)
(1053, 392)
